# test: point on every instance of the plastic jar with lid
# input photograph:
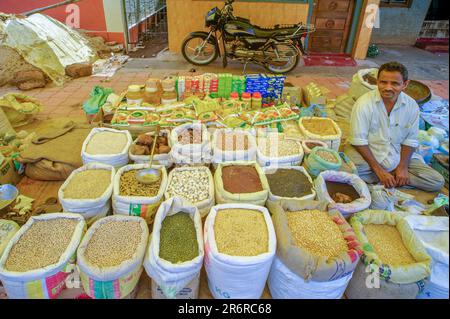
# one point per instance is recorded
(169, 94)
(247, 99)
(256, 101)
(134, 95)
(234, 96)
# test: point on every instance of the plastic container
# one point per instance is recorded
(134, 95)
(247, 99)
(169, 95)
(234, 96)
(151, 96)
(256, 101)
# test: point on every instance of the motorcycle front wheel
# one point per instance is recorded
(196, 50)
(283, 58)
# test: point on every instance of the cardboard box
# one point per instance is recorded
(8, 173)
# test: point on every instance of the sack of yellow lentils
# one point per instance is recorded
(321, 129)
(395, 262)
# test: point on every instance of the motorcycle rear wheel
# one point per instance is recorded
(194, 53)
(288, 51)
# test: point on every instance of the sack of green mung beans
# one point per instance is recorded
(38, 259)
(240, 182)
(88, 190)
(289, 183)
(233, 145)
(395, 262)
(345, 192)
(275, 149)
(317, 251)
(191, 144)
(175, 254)
(133, 198)
(194, 184)
(107, 146)
(140, 150)
(240, 245)
(110, 256)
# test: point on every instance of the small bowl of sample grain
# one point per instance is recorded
(113, 250)
(43, 247)
(233, 145)
(321, 129)
(240, 182)
(107, 146)
(277, 149)
(88, 189)
(131, 197)
(241, 246)
(141, 148)
(193, 184)
(394, 252)
(289, 183)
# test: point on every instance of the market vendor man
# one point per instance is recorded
(384, 132)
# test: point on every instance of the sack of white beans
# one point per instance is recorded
(190, 144)
(107, 146)
(277, 150)
(233, 145)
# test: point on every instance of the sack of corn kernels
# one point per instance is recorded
(88, 190)
(190, 144)
(395, 262)
(131, 197)
(159, 158)
(233, 145)
(240, 245)
(7, 230)
(107, 146)
(317, 251)
(39, 258)
(433, 232)
(193, 184)
(175, 254)
(321, 129)
(277, 150)
(240, 182)
(345, 192)
(110, 256)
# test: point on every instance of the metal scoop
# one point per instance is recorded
(150, 175)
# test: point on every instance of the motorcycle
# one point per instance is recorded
(277, 49)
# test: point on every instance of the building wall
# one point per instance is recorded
(401, 25)
(364, 34)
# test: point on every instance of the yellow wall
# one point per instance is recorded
(185, 16)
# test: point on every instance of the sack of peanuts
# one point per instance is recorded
(106, 146)
(317, 249)
(345, 192)
(88, 190)
(322, 159)
(190, 144)
(110, 256)
(141, 149)
(131, 197)
(41, 255)
(8, 228)
(394, 259)
(240, 245)
(275, 149)
(193, 184)
(175, 254)
(233, 145)
(240, 182)
(321, 129)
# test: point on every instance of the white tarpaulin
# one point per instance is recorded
(46, 43)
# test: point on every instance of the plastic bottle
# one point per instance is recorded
(169, 95)
(256, 101)
(134, 95)
(234, 96)
(151, 94)
(247, 99)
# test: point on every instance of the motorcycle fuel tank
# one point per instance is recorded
(239, 28)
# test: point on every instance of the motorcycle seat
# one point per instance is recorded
(269, 33)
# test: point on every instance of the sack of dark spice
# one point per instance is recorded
(175, 254)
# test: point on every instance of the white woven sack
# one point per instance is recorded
(172, 278)
(285, 284)
(203, 206)
(359, 86)
(159, 159)
(360, 186)
(333, 141)
(291, 160)
(16, 283)
(190, 153)
(116, 160)
(234, 277)
(220, 156)
(88, 208)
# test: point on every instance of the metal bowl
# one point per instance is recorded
(8, 193)
(418, 91)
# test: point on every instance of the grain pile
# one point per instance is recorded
(289, 183)
(106, 143)
(88, 184)
(388, 245)
(41, 245)
(241, 232)
(130, 186)
(319, 126)
(327, 156)
(317, 233)
(192, 185)
(241, 179)
(113, 242)
(277, 146)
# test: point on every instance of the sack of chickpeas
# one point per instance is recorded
(317, 251)
(240, 245)
(141, 148)
(88, 190)
(345, 192)
(175, 254)
(233, 145)
(111, 255)
(395, 262)
(275, 149)
(38, 259)
(107, 146)
(190, 144)
(193, 184)
(133, 198)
